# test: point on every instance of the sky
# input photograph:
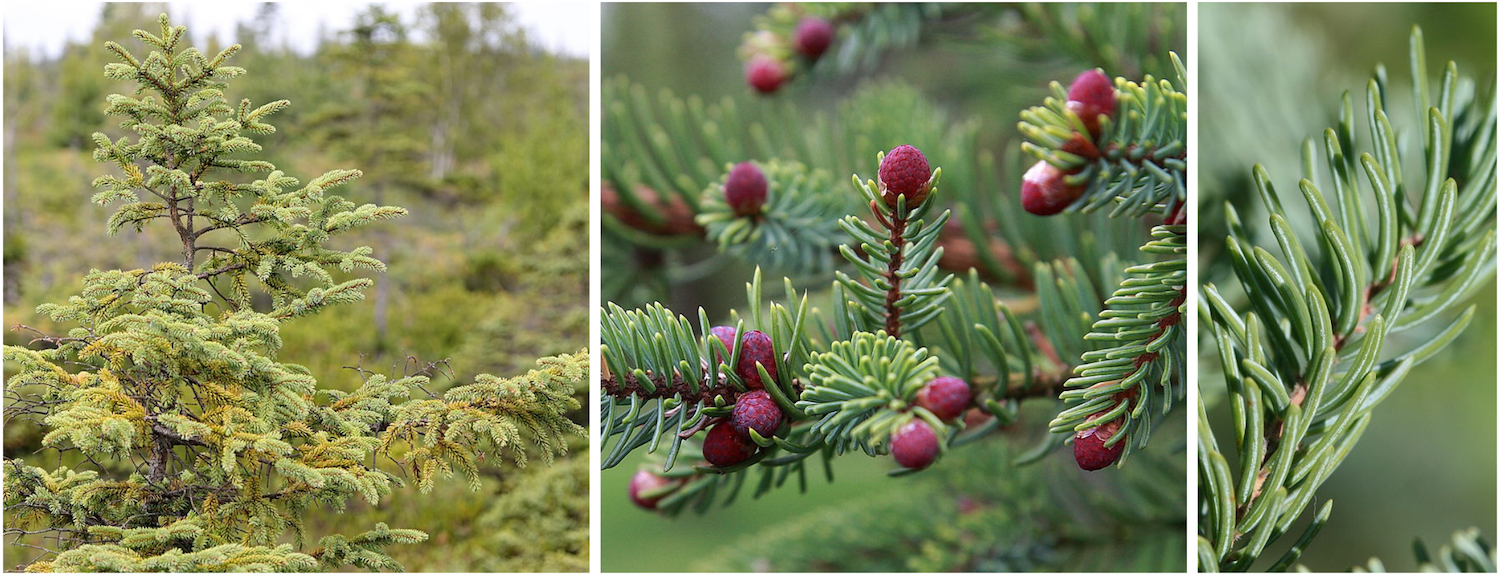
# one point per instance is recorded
(571, 28)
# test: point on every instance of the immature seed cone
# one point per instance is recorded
(1044, 190)
(1092, 94)
(904, 171)
(745, 189)
(725, 447)
(756, 347)
(756, 411)
(914, 445)
(945, 396)
(765, 74)
(814, 35)
(647, 481)
(1089, 449)
(725, 334)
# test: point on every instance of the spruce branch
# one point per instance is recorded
(1127, 37)
(1302, 357)
(1124, 37)
(960, 252)
(640, 404)
(1101, 142)
(665, 156)
(949, 313)
(790, 232)
(1134, 158)
(898, 285)
(1137, 375)
(864, 33)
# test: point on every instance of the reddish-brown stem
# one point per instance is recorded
(620, 387)
(897, 225)
(1276, 427)
(1373, 290)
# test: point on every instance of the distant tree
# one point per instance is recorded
(77, 112)
(374, 126)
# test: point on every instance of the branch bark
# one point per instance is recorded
(619, 387)
(897, 227)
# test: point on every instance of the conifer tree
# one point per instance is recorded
(183, 441)
(924, 309)
(379, 58)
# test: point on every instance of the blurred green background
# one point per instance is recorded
(971, 73)
(1270, 75)
(454, 111)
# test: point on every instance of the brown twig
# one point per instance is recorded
(619, 387)
(896, 224)
(1045, 386)
(961, 254)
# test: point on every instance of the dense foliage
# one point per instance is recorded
(916, 315)
(167, 386)
(1303, 341)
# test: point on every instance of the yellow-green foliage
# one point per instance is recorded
(540, 522)
(175, 435)
(443, 431)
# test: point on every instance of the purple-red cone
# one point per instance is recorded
(745, 190)
(904, 171)
(1089, 450)
(945, 396)
(725, 334)
(756, 347)
(647, 481)
(765, 74)
(814, 35)
(1090, 95)
(756, 411)
(725, 447)
(914, 445)
(1044, 190)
